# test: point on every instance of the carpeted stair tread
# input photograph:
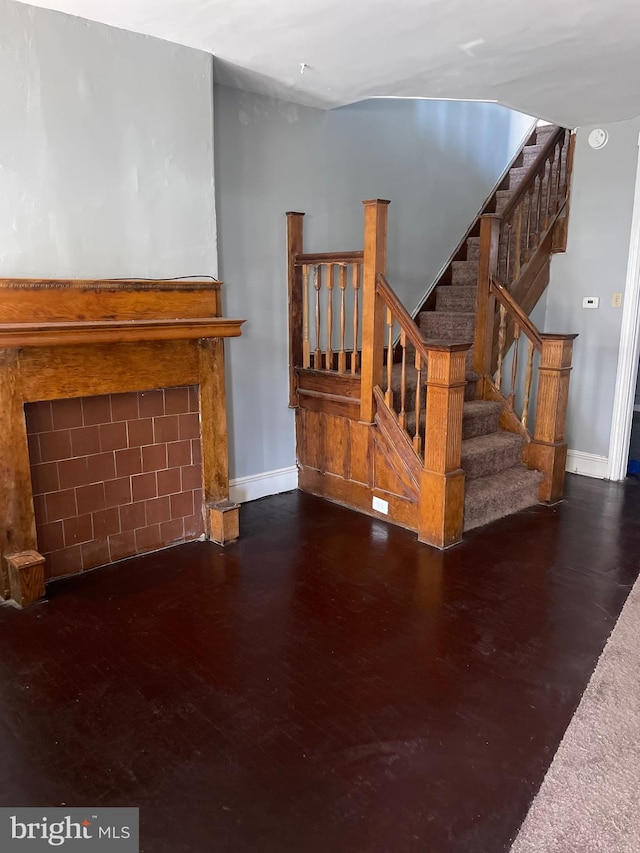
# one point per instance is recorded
(489, 498)
(489, 454)
(461, 299)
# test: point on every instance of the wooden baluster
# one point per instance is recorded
(485, 300)
(441, 503)
(342, 355)
(417, 441)
(560, 147)
(328, 362)
(539, 208)
(527, 385)
(508, 255)
(518, 244)
(317, 283)
(514, 365)
(402, 417)
(306, 347)
(356, 318)
(560, 230)
(502, 335)
(388, 397)
(529, 197)
(548, 450)
(375, 260)
(294, 248)
(547, 207)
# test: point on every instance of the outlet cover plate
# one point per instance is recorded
(380, 506)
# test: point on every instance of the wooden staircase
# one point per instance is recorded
(426, 421)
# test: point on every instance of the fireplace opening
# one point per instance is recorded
(114, 476)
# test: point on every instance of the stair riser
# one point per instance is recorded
(477, 513)
(481, 424)
(438, 325)
(446, 300)
(492, 461)
(464, 273)
(473, 248)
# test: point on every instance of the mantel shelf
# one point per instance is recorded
(115, 331)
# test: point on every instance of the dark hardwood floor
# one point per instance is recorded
(325, 684)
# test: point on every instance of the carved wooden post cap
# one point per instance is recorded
(26, 577)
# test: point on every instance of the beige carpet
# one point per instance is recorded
(589, 800)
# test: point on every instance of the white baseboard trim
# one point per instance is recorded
(255, 486)
(587, 464)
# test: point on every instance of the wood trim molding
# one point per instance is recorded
(114, 331)
(628, 351)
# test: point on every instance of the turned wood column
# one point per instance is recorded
(294, 274)
(22, 566)
(375, 261)
(485, 300)
(441, 507)
(548, 450)
(221, 514)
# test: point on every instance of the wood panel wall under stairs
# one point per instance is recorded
(347, 461)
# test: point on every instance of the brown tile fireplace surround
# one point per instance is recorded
(114, 435)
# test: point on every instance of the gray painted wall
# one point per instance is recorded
(435, 161)
(106, 151)
(595, 264)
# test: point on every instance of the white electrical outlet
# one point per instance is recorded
(616, 300)
(380, 506)
(590, 301)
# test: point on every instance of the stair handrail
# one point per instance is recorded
(532, 171)
(302, 259)
(404, 319)
(535, 208)
(511, 306)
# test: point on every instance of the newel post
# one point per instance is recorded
(548, 450)
(294, 275)
(441, 507)
(375, 261)
(485, 300)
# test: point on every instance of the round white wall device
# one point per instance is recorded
(598, 138)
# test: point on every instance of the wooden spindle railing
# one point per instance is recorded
(516, 244)
(439, 418)
(546, 448)
(533, 208)
(324, 329)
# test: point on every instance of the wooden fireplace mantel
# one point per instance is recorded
(71, 338)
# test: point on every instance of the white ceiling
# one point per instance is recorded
(572, 62)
